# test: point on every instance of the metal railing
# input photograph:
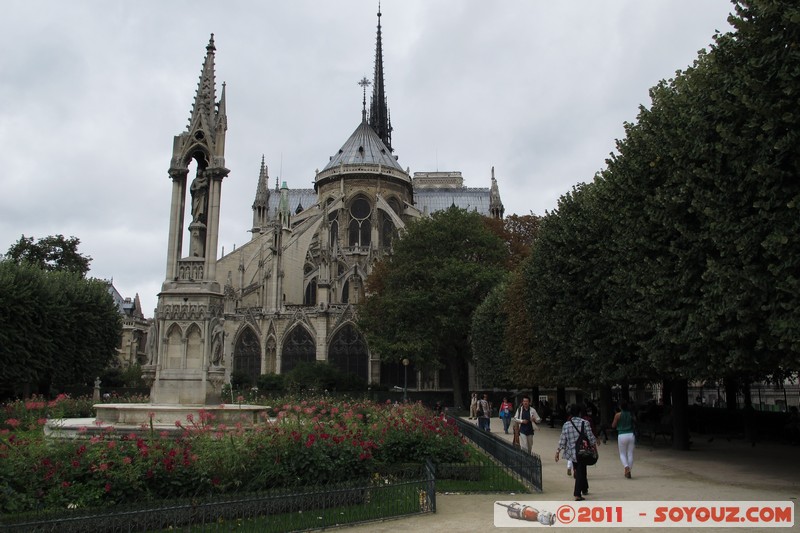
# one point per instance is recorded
(384, 496)
(527, 468)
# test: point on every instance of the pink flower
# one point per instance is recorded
(127, 460)
(13, 422)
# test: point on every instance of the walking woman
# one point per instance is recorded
(623, 423)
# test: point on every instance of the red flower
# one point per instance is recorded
(108, 487)
(65, 484)
(13, 422)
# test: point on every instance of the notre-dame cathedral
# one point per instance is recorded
(291, 293)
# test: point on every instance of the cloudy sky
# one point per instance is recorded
(93, 91)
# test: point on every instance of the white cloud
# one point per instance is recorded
(91, 95)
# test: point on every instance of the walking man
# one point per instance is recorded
(569, 436)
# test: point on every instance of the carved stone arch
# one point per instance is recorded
(271, 355)
(300, 317)
(172, 356)
(348, 351)
(198, 153)
(298, 347)
(352, 286)
(349, 314)
(247, 353)
(195, 347)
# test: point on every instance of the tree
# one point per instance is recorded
(420, 303)
(501, 337)
(54, 252)
(56, 328)
(518, 232)
(493, 365)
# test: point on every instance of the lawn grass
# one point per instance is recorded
(490, 478)
(383, 502)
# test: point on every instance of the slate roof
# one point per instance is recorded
(469, 198)
(364, 147)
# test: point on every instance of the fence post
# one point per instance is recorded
(430, 474)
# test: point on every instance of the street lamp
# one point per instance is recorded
(405, 379)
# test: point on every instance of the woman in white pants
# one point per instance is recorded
(623, 423)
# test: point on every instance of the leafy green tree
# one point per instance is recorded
(54, 252)
(26, 345)
(420, 303)
(493, 364)
(501, 329)
(56, 328)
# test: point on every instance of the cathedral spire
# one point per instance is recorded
(204, 101)
(379, 111)
(495, 203)
(261, 202)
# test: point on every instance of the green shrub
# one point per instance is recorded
(321, 376)
(270, 382)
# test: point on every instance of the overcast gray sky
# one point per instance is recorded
(92, 93)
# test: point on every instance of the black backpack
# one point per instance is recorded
(585, 452)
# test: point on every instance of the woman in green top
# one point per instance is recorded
(623, 423)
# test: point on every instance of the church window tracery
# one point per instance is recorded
(298, 347)
(247, 355)
(360, 227)
(348, 352)
(310, 297)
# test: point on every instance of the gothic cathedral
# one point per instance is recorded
(291, 293)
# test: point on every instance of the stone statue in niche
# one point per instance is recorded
(199, 190)
(218, 342)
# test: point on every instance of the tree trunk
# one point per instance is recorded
(731, 387)
(561, 396)
(666, 393)
(535, 396)
(606, 405)
(680, 414)
(625, 392)
(749, 414)
(457, 366)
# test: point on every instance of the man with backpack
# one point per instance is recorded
(576, 432)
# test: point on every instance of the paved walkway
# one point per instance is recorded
(717, 470)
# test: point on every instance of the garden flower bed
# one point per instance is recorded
(301, 444)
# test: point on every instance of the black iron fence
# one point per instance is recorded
(523, 466)
(385, 495)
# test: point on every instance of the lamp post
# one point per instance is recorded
(405, 379)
